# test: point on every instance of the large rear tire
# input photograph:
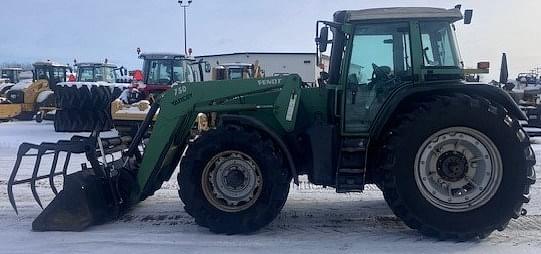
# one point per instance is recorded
(457, 167)
(233, 180)
(82, 120)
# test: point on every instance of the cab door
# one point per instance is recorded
(378, 62)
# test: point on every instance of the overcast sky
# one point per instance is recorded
(92, 30)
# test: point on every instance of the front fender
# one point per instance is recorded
(254, 123)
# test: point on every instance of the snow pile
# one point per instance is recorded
(23, 84)
(90, 84)
(43, 96)
(3, 85)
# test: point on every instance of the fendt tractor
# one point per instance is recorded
(451, 158)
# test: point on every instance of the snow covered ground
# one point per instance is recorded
(314, 220)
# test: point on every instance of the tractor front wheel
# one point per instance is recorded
(233, 180)
(457, 167)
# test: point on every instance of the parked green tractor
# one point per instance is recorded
(451, 159)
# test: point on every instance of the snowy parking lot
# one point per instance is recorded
(314, 220)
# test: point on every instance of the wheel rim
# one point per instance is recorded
(231, 181)
(458, 169)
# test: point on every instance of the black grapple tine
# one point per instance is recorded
(35, 176)
(23, 149)
(52, 173)
(66, 164)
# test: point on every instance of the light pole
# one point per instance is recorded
(185, 4)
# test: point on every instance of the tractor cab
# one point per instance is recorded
(53, 73)
(94, 72)
(376, 52)
(161, 70)
(10, 75)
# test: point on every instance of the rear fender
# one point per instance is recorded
(407, 95)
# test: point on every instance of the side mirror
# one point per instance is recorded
(468, 15)
(323, 39)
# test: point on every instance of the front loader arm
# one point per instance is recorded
(179, 108)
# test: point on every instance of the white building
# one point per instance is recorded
(273, 64)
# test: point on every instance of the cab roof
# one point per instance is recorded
(161, 56)
(402, 13)
(50, 63)
(12, 68)
(94, 64)
(236, 65)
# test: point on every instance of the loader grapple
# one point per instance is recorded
(89, 196)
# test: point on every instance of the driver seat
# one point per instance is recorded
(383, 73)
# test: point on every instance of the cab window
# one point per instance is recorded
(183, 72)
(86, 74)
(235, 73)
(42, 73)
(160, 72)
(59, 75)
(380, 62)
(109, 75)
(438, 44)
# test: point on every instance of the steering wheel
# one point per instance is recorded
(388, 80)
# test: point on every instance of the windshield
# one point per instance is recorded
(439, 45)
(41, 73)
(165, 72)
(240, 73)
(86, 74)
(183, 72)
(109, 74)
(59, 75)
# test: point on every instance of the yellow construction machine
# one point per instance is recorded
(23, 100)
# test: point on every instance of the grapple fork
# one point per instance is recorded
(94, 195)
(89, 196)
(38, 151)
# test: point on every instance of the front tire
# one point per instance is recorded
(233, 180)
(457, 167)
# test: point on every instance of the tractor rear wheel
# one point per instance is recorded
(457, 167)
(233, 180)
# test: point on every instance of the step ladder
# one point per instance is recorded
(351, 165)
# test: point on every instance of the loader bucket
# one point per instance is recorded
(85, 200)
(90, 196)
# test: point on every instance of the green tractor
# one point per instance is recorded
(451, 159)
